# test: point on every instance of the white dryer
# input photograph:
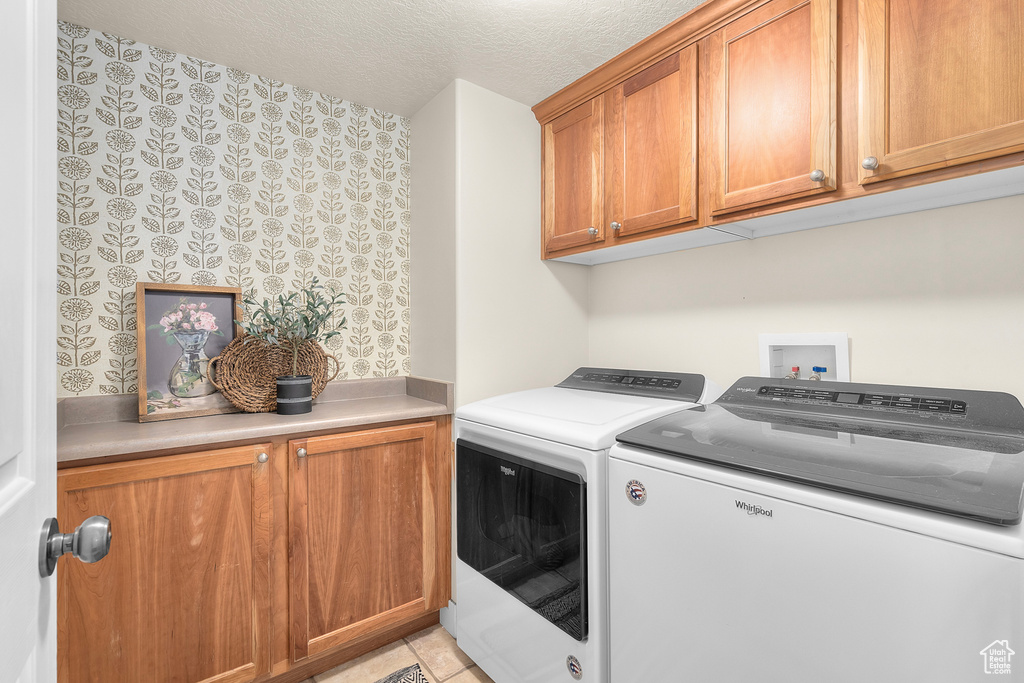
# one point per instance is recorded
(799, 532)
(531, 574)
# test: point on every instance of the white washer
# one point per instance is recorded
(797, 532)
(531, 586)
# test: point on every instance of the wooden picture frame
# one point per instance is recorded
(174, 353)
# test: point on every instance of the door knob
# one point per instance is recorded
(90, 542)
(869, 163)
(817, 175)
(615, 225)
(592, 230)
(301, 452)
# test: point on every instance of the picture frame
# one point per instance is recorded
(179, 328)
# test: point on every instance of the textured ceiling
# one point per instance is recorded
(393, 55)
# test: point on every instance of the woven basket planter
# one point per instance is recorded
(246, 372)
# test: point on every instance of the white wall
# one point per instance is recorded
(486, 312)
(522, 322)
(432, 266)
(934, 298)
(518, 322)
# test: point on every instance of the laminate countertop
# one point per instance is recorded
(101, 428)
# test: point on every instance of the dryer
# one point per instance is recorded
(531, 586)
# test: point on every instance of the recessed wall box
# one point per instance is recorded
(780, 352)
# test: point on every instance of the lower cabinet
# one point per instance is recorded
(367, 511)
(184, 594)
(188, 591)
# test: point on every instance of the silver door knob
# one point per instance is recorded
(301, 452)
(817, 175)
(592, 230)
(616, 225)
(90, 542)
(263, 457)
(869, 163)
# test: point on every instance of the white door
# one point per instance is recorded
(28, 280)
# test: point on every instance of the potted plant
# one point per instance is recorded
(291, 322)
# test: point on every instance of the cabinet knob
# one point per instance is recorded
(817, 175)
(616, 225)
(592, 230)
(301, 452)
(869, 163)
(263, 457)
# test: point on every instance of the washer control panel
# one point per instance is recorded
(888, 402)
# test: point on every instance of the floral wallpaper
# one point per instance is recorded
(177, 170)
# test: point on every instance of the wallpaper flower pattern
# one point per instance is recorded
(174, 169)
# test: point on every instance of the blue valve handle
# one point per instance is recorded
(819, 369)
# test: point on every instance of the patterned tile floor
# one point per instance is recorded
(439, 658)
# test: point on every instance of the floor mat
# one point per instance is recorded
(410, 674)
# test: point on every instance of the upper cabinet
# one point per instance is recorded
(650, 147)
(772, 105)
(742, 110)
(624, 162)
(941, 83)
(572, 156)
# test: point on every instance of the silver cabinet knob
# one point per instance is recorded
(90, 542)
(301, 452)
(592, 230)
(817, 175)
(869, 163)
(616, 225)
(263, 457)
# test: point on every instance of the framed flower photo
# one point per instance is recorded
(180, 328)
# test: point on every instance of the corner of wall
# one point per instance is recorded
(521, 322)
(432, 241)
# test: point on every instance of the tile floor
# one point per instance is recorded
(439, 658)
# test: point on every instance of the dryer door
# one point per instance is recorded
(522, 525)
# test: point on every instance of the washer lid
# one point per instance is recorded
(967, 473)
(585, 419)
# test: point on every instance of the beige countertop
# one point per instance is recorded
(104, 426)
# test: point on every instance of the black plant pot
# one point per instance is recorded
(294, 394)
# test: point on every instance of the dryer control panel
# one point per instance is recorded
(679, 386)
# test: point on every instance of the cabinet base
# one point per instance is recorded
(290, 672)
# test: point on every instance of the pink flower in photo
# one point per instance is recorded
(188, 317)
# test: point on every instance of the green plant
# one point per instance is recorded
(294, 320)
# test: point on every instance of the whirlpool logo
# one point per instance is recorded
(508, 471)
(751, 509)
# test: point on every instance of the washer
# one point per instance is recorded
(799, 531)
(531, 588)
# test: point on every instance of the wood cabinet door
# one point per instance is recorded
(772, 105)
(369, 524)
(651, 147)
(572, 166)
(941, 83)
(184, 593)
